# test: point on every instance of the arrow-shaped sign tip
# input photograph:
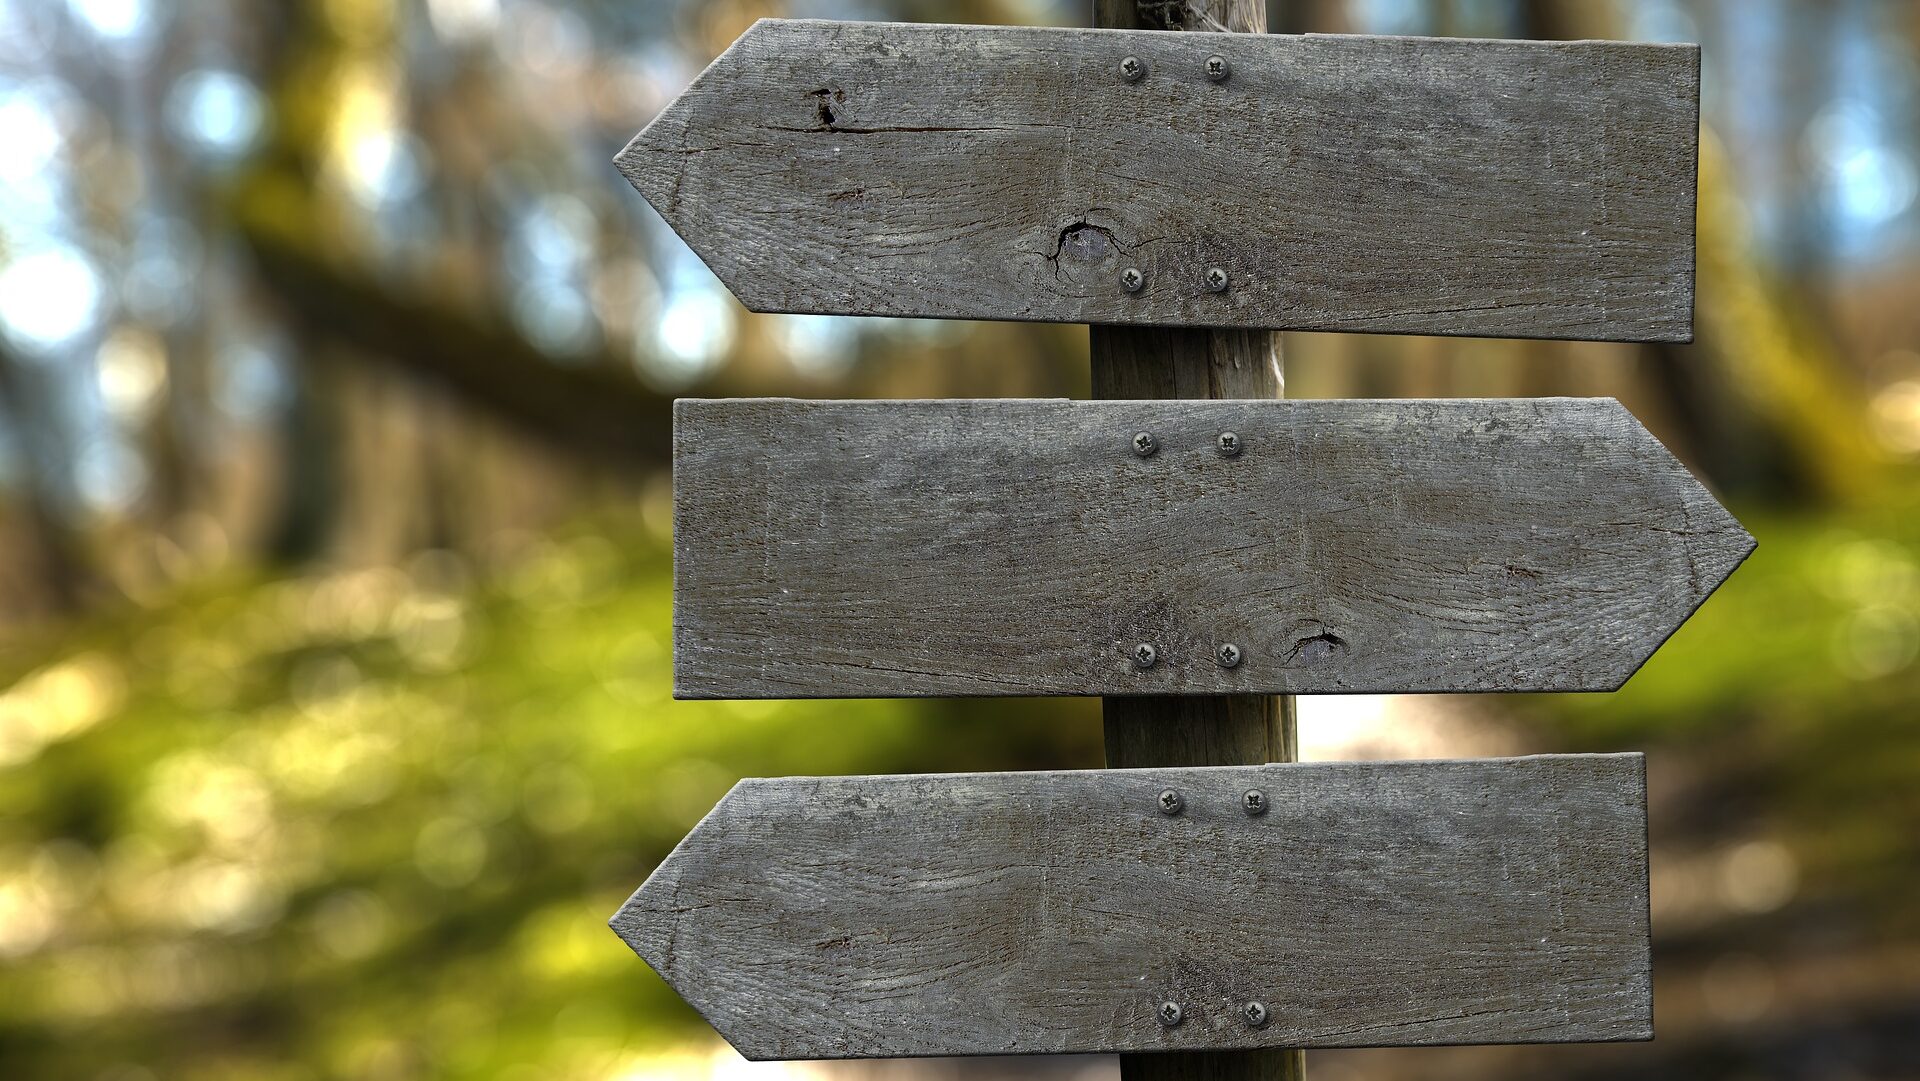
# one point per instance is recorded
(1717, 544)
(1031, 913)
(657, 160)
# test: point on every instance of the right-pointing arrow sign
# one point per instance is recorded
(863, 549)
(1323, 905)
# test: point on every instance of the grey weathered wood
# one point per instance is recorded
(1414, 185)
(1129, 362)
(863, 549)
(1375, 904)
(1197, 730)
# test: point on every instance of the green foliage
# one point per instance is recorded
(370, 823)
(1820, 626)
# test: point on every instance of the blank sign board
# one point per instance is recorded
(1367, 904)
(861, 549)
(1409, 185)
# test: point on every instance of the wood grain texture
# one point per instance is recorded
(1194, 730)
(877, 549)
(1374, 904)
(1199, 729)
(1412, 185)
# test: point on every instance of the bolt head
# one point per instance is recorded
(1255, 1013)
(1131, 279)
(1227, 655)
(1170, 1014)
(1254, 802)
(1217, 68)
(1171, 802)
(1144, 444)
(1131, 69)
(1229, 444)
(1217, 279)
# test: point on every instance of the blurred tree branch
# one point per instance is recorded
(56, 545)
(1767, 405)
(590, 409)
(1779, 366)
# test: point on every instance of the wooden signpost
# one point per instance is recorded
(1201, 914)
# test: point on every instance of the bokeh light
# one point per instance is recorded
(221, 112)
(50, 297)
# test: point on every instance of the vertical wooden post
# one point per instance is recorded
(1157, 362)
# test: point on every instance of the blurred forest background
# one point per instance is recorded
(335, 362)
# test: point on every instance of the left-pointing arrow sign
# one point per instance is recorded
(1348, 904)
(1319, 182)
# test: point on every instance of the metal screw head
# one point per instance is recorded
(1131, 279)
(1217, 68)
(1227, 655)
(1171, 802)
(1144, 444)
(1144, 655)
(1255, 1013)
(1131, 69)
(1170, 1014)
(1217, 279)
(1254, 802)
(1229, 444)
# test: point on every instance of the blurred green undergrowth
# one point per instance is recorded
(372, 822)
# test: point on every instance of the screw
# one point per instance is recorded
(1217, 68)
(1171, 802)
(1217, 279)
(1171, 1014)
(1131, 279)
(1229, 444)
(1144, 655)
(1131, 69)
(1227, 654)
(1254, 802)
(1255, 1013)
(1144, 444)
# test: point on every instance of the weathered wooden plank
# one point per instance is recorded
(1372, 904)
(1194, 730)
(1412, 185)
(875, 549)
(1129, 362)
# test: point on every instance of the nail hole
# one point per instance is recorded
(1320, 647)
